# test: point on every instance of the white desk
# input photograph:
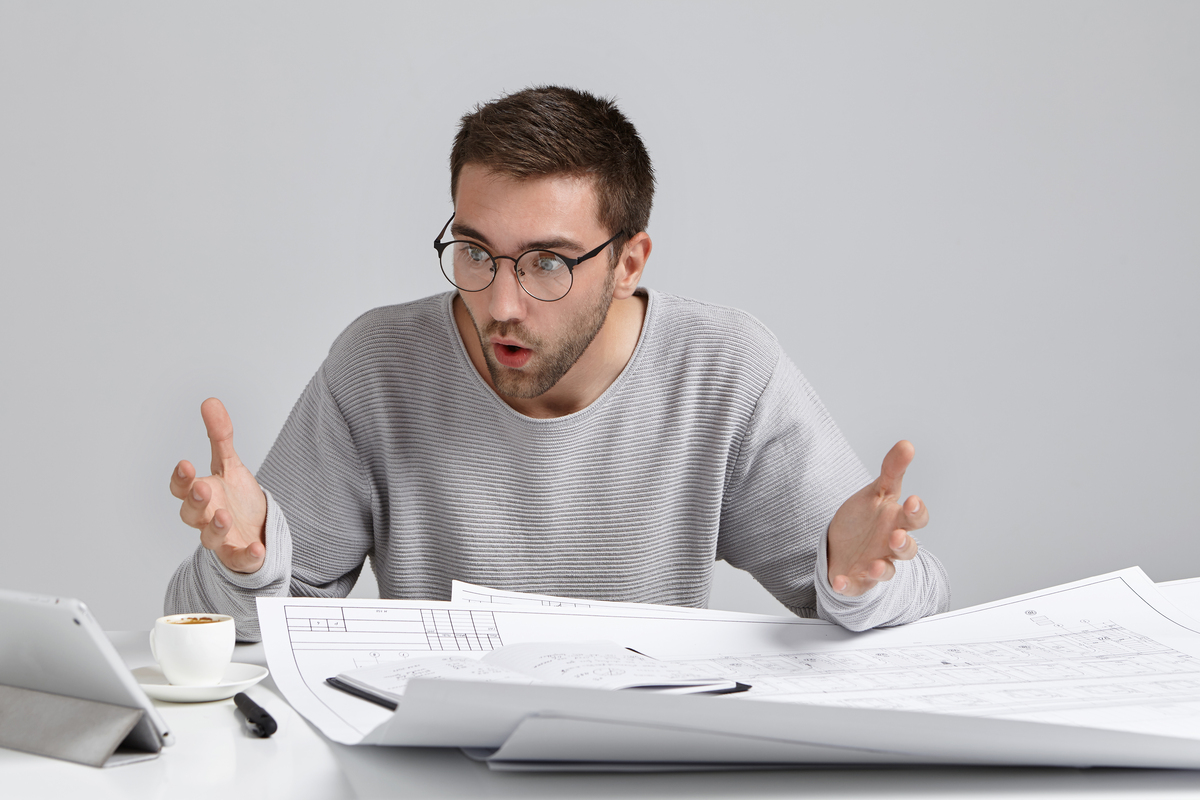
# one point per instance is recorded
(212, 755)
(215, 758)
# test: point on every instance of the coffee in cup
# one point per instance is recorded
(193, 649)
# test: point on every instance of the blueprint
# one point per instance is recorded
(308, 640)
(1106, 652)
(1083, 671)
(1104, 675)
(463, 592)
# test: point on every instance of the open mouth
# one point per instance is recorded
(511, 355)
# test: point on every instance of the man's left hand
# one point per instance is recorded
(869, 533)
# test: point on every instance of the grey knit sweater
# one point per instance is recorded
(709, 445)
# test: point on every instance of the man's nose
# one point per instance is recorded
(507, 301)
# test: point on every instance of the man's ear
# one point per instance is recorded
(628, 272)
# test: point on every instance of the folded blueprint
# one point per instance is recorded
(1100, 672)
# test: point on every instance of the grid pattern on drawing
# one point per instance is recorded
(460, 630)
(387, 629)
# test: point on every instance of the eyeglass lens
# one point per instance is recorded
(469, 267)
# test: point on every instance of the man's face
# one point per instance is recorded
(528, 344)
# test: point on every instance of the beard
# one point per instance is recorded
(550, 362)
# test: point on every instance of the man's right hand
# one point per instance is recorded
(228, 507)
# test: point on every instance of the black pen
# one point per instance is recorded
(350, 688)
(259, 722)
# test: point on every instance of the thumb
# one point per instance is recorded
(220, 435)
(891, 476)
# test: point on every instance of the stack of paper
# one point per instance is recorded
(1101, 672)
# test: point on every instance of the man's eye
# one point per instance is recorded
(548, 263)
(476, 253)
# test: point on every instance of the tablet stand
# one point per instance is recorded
(83, 731)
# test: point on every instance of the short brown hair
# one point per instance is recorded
(552, 130)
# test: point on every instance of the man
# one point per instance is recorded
(550, 427)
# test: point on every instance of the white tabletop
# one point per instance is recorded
(214, 755)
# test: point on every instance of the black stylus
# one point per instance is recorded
(260, 723)
(350, 688)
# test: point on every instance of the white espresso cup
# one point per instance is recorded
(193, 649)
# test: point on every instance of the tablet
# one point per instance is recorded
(54, 644)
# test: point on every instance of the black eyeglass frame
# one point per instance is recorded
(571, 263)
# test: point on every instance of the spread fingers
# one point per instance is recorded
(903, 546)
(881, 569)
(196, 509)
(181, 479)
(914, 514)
(222, 537)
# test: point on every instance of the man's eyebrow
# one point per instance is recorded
(543, 244)
(458, 229)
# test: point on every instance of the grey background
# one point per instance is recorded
(972, 225)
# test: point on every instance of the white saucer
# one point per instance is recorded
(237, 678)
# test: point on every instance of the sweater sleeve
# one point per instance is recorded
(319, 521)
(203, 584)
(792, 472)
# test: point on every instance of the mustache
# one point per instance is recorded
(513, 330)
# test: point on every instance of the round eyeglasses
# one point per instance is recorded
(543, 274)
